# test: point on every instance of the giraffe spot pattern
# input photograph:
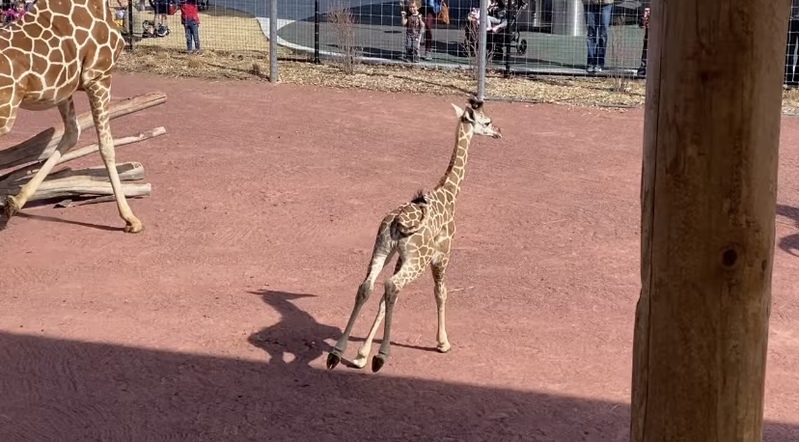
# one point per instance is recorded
(53, 51)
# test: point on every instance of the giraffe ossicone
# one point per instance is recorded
(420, 233)
(57, 48)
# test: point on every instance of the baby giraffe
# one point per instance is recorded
(420, 232)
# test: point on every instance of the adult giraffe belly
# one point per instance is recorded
(44, 96)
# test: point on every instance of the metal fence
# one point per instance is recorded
(546, 36)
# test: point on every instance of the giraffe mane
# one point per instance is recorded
(419, 198)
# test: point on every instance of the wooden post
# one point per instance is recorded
(709, 181)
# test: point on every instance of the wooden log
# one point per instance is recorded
(42, 145)
(31, 169)
(73, 186)
(131, 171)
(711, 137)
(83, 202)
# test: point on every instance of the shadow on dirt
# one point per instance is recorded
(296, 334)
(68, 390)
(789, 243)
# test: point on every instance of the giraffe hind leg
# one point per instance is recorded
(382, 252)
(66, 108)
(363, 352)
(8, 115)
(99, 93)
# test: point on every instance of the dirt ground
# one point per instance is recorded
(212, 324)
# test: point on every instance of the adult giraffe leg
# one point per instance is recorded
(99, 92)
(71, 134)
(363, 352)
(381, 253)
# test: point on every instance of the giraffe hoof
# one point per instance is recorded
(135, 227)
(359, 362)
(443, 348)
(333, 359)
(11, 208)
(378, 362)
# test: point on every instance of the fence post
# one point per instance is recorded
(511, 20)
(481, 51)
(130, 25)
(273, 41)
(316, 32)
(708, 197)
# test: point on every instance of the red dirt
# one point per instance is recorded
(211, 325)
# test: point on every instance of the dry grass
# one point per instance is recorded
(254, 65)
(790, 101)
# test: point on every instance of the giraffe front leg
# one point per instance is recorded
(363, 352)
(440, 291)
(394, 285)
(99, 92)
(66, 108)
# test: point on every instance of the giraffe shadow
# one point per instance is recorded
(297, 333)
(4, 221)
(53, 219)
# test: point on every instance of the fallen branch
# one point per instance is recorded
(75, 186)
(31, 169)
(43, 144)
(132, 171)
(96, 200)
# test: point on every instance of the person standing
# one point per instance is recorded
(429, 10)
(597, 22)
(791, 79)
(190, 18)
(414, 26)
(645, 24)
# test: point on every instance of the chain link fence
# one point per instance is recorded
(539, 37)
(543, 36)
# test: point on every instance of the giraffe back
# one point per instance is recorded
(57, 47)
(427, 211)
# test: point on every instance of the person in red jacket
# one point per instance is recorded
(190, 19)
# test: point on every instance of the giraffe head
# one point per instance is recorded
(473, 115)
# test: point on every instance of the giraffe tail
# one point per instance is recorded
(410, 217)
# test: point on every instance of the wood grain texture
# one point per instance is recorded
(708, 193)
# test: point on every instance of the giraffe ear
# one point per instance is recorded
(458, 110)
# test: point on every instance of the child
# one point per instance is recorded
(645, 23)
(120, 13)
(190, 18)
(414, 26)
(14, 13)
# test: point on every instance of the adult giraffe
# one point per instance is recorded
(60, 47)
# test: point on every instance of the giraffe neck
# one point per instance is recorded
(450, 183)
